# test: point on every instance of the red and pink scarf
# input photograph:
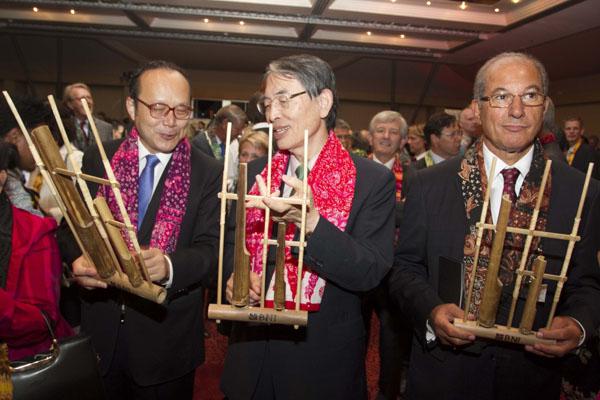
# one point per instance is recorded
(173, 201)
(332, 181)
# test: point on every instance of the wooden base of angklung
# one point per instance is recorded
(257, 314)
(501, 333)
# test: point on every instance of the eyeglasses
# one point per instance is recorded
(161, 110)
(453, 134)
(265, 103)
(504, 100)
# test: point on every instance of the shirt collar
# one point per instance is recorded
(523, 165)
(436, 158)
(163, 158)
(388, 164)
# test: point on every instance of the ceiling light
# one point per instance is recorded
(463, 5)
(369, 33)
(402, 36)
(206, 20)
(242, 23)
(515, 1)
(428, 3)
(496, 10)
(72, 11)
(393, 1)
(35, 9)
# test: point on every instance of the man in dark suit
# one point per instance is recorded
(443, 136)
(72, 96)
(442, 208)
(580, 154)
(148, 350)
(348, 252)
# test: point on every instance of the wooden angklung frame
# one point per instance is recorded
(95, 229)
(240, 309)
(485, 325)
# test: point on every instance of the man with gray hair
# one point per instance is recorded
(72, 96)
(435, 257)
(348, 249)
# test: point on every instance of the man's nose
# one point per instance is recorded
(516, 108)
(169, 119)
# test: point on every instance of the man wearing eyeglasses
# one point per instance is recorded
(349, 247)
(434, 260)
(443, 136)
(72, 96)
(170, 192)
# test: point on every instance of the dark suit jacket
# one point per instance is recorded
(325, 360)
(164, 341)
(202, 144)
(585, 155)
(104, 130)
(435, 225)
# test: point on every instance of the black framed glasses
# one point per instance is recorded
(504, 100)
(161, 110)
(283, 100)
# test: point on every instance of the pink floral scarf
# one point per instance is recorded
(332, 181)
(173, 201)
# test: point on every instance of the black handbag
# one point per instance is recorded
(69, 370)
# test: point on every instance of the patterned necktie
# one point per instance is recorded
(146, 182)
(510, 179)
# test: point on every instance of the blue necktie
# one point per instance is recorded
(146, 182)
(222, 145)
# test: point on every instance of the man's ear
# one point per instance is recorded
(130, 106)
(325, 99)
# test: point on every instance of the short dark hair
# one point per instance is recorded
(134, 79)
(231, 113)
(436, 123)
(313, 73)
(574, 118)
(32, 110)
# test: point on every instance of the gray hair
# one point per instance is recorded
(314, 74)
(479, 86)
(67, 90)
(389, 116)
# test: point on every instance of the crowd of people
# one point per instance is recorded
(391, 207)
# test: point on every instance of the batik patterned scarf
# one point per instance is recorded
(474, 184)
(332, 181)
(173, 200)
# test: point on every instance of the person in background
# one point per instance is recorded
(443, 136)
(72, 96)
(30, 269)
(253, 145)
(417, 145)
(580, 154)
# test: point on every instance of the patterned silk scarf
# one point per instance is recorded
(474, 184)
(175, 191)
(332, 181)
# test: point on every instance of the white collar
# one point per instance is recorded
(388, 164)
(163, 158)
(523, 165)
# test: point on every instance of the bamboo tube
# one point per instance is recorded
(571, 245)
(46, 175)
(241, 257)
(535, 233)
(527, 246)
(279, 297)
(6, 386)
(90, 231)
(223, 218)
(255, 314)
(263, 278)
(486, 203)
(493, 285)
(126, 260)
(539, 266)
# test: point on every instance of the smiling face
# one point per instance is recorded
(386, 140)
(299, 114)
(160, 86)
(510, 132)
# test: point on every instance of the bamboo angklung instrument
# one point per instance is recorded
(538, 269)
(524, 335)
(6, 386)
(241, 257)
(493, 285)
(260, 314)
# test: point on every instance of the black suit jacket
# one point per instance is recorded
(585, 155)
(164, 341)
(435, 225)
(325, 360)
(202, 144)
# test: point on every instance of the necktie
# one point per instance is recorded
(300, 175)
(510, 179)
(222, 145)
(84, 135)
(146, 182)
